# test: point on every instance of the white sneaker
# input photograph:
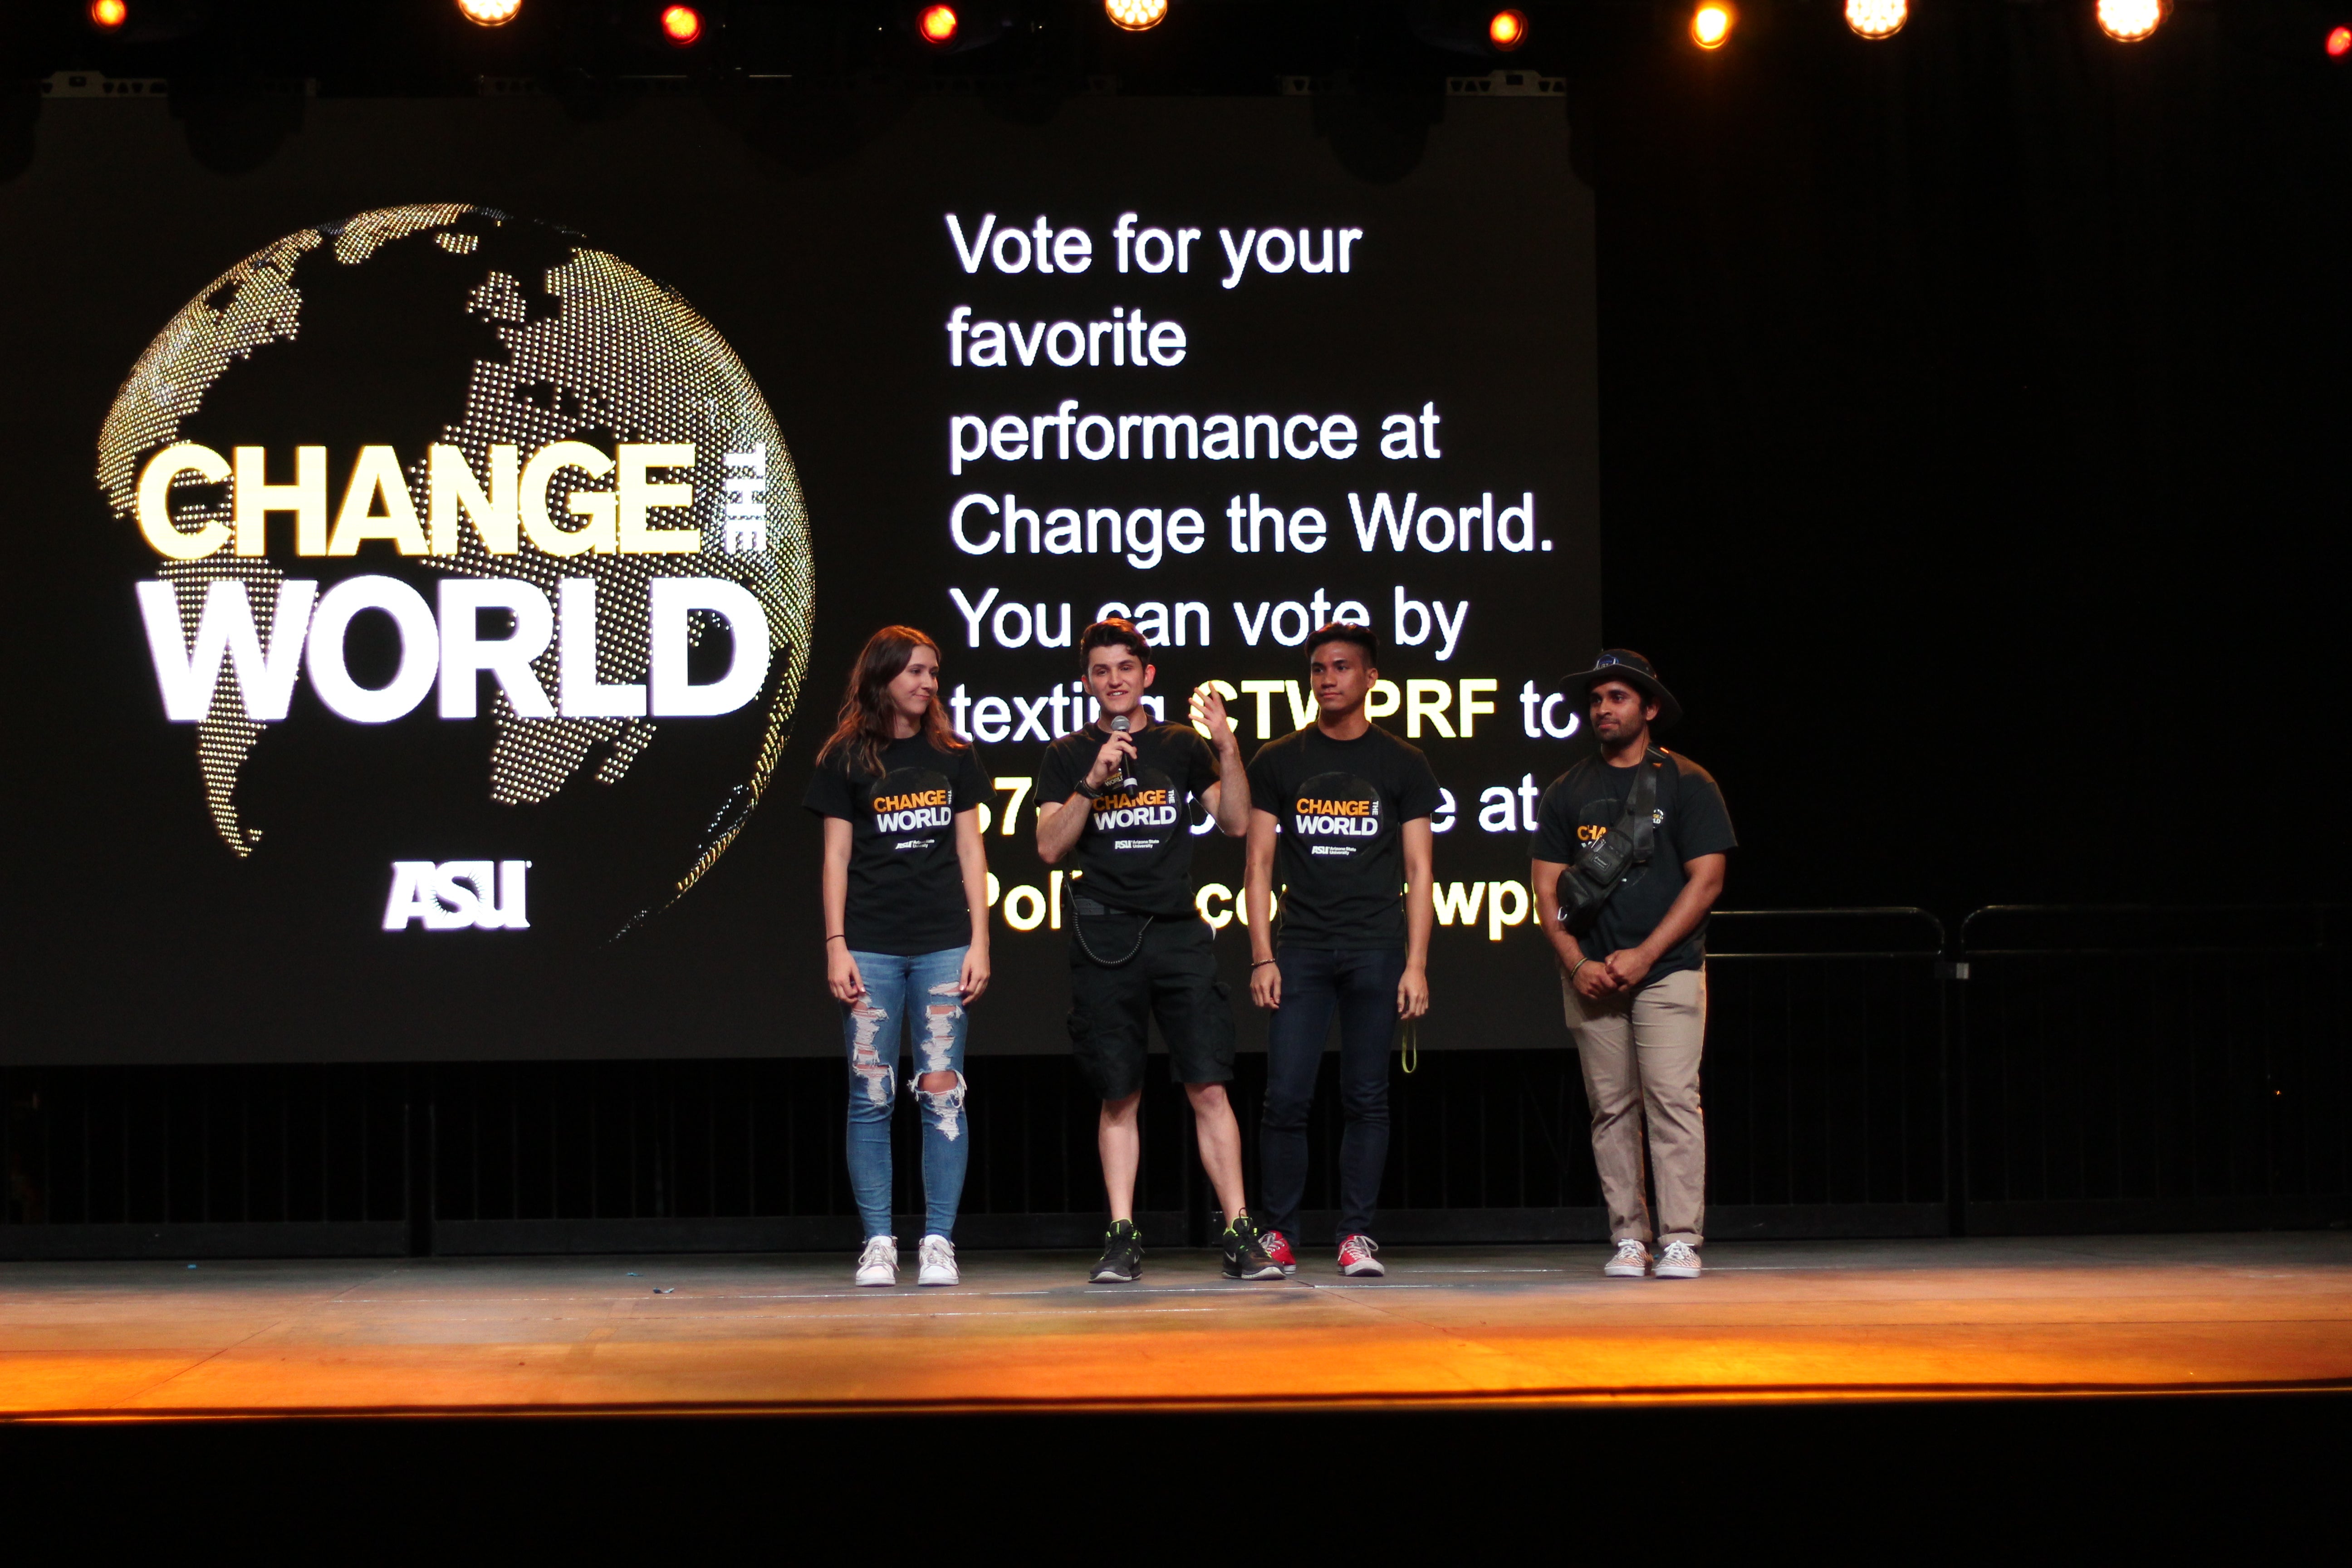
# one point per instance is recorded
(1678, 1262)
(878, 1264)
(1632, 1262)
(938, 1254)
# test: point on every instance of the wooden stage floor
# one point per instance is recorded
(1488, 1327)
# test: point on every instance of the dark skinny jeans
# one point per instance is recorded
(1359, 985)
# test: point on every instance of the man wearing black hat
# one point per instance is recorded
(1629, 858)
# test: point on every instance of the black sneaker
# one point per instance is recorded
(1122, 1258)
(1246, 1254)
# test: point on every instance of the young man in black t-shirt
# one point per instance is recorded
(1635, 969)
(1351, 805)
(1116, 796)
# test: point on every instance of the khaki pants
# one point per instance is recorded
(1640, 1066)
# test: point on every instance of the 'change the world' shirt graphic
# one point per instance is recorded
(1336, 815)
(1139, 820)
(912, 806)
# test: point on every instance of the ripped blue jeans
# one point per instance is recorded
(903, 990)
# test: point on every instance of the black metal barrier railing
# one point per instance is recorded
(219, 1161)
(2141, 1066)
(2054, 1068)
(1827, 1072)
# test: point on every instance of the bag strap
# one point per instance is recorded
(1641, 809)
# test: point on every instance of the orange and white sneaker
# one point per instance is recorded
(1356, 1259)
(1632, 1261)
(1678, 1262)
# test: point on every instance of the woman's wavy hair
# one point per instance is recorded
(866, 713)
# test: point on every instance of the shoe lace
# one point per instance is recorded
(938, 1249)
(1680, 1251)
(1358, 1246)
(879, 1249)
(1630, 1248)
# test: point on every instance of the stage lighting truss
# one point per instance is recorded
(488, 13)
(1877, 18)
(2129, 21)
(108, 15)
(1507, 30)
(1711, 24)
(1136, 15)
(681, 25)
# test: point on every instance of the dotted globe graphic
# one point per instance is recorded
(465, 326)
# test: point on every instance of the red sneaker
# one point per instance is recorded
(1277, 1247)
(1356, 1257)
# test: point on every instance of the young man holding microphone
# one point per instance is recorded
(1114, 795)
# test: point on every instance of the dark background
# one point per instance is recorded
(142, 940)
(1974, 431)
(1973, 403)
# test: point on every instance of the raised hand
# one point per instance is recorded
(1209, 716)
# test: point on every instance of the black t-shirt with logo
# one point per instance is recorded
(905, 886)
(1136, 852)
(1342, 806)
(1584, 803)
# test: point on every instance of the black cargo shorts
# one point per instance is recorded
(1125, 970)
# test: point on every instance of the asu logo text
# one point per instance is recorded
(457, 895)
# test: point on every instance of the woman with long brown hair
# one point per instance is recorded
(905, 924)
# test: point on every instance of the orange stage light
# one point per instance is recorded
(1508, 30)
(108, 15)
(2129, 21)
(1877, 18)
(1711, 25)
(681, 25)
(1136, 15)
(937, 24)
(488, 13)
(2340, 43)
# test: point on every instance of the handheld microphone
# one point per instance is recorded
(1119, 726)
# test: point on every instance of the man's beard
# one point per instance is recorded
(1623, 735)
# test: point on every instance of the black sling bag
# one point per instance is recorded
(1585, 886)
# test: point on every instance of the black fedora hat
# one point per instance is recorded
(1623, 664)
